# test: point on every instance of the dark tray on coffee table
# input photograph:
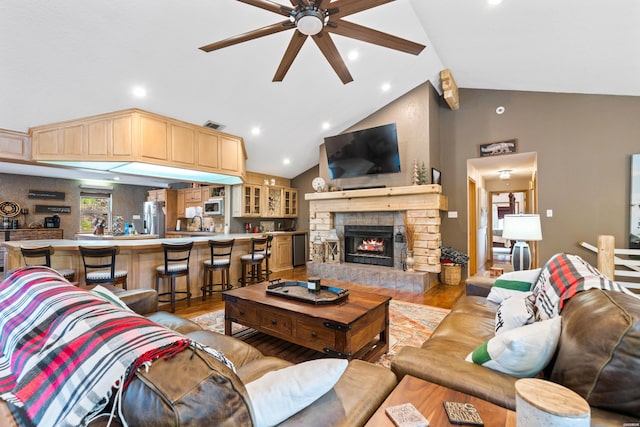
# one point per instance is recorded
(299, 291)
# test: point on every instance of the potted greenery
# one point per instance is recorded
(452, 261)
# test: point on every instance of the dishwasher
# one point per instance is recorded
(299, 248)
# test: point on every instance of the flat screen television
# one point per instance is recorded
(364, 152)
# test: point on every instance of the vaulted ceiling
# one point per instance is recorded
(73, 58)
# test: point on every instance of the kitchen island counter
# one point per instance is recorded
(89, 236)
(139, 257)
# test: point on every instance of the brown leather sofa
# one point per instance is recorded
(598, 355)
(195, 389)
(352, 401)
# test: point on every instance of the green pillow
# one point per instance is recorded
(514, 285)
(521, 352)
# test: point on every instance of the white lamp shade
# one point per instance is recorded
(522, 227)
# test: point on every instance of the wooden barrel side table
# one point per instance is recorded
(544, 403)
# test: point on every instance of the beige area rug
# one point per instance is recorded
(410, 325)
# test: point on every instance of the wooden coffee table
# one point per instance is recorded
(357, 327)
(428, 397)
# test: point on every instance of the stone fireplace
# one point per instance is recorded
(380, 259)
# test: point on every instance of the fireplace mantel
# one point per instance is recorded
(379, 199)
(422, 203)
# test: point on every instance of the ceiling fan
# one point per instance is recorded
(318, 19)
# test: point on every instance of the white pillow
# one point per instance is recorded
(515, 312)
(512, 283)
(522, 275)
(107, 295)
(277, 395)
(521, 352)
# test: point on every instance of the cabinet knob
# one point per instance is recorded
(242, 312)
(273, 321)
(314, 334)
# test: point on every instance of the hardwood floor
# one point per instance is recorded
(441, 295)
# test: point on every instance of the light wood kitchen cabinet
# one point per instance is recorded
(190, 197)
(156, 195)
(153, 138)
(208, 150)
(231, 151)
(281, 253)
(247, 200)
(273, 202)
(183, 144)
(281, 202)
(290, 202)
(14, 145)
(137, 135)
(180, 208)
(99, 139)
(110, 138)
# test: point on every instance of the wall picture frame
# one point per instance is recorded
(498, 148)
(436, 176)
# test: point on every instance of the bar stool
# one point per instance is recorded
(100, 266)
(254, 260)
(267, 252)
(176, 264)
(42, 256)
(220, 260)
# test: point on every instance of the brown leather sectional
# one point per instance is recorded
(598, 355)
(196, 389)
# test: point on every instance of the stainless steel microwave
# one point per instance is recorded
(214, 206)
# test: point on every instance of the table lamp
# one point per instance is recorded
(522, 228)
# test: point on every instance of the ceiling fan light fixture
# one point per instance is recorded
(309, 22)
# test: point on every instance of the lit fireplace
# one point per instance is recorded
(366, 244)
(371, 246)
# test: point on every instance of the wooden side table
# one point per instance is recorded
(428, 397)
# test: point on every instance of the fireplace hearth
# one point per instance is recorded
(371, 245)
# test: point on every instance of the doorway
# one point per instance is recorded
(514, 178)
(503, 203)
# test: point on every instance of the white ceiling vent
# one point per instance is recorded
(213, 125)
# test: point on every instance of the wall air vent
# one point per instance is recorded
(213, 125)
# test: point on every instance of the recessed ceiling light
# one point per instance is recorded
(116, 178)
(139, 92)
(494, 2)
(353, 55)
(500, 110)
(385, 87)
(326, 125)
(286, 161)
(255, 131)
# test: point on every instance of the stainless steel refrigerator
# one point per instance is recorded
(153, 218)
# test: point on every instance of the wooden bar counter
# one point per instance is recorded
(139, 257)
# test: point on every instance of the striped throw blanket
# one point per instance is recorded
(64, 350)
(562, 277)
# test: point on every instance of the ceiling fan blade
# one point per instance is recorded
(329, 50)
(300, 3)
(255, 34)
(270, 6)
(342, 8)
(290, 54)
(365, 34)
